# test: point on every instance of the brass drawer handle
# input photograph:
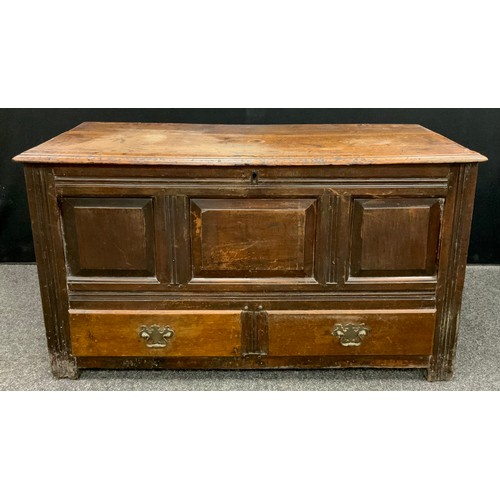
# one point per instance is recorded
(155, 335)
(350, 334)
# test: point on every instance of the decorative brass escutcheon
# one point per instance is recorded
(350, 334)
(155, 335)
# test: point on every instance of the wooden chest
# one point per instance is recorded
(273, 246)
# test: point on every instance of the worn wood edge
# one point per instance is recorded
(449, 305)
(136, 161)
(51, 276)
(37, 153)
(64, 366)
(482, 158)
(153, 312)
(276, 304)
(352, 312)
(241, 363)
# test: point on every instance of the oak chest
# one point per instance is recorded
(273, 246)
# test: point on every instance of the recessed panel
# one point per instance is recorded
(395, 237)
(109, 236)
(253, 238)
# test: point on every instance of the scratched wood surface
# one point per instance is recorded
(253, 238)
(194, 144)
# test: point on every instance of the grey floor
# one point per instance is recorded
(24, 358)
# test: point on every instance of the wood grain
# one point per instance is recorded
(395, 237)
(109, 236)
(458, 218)
(392, 332)
(253, 238)
(193, 144)
(116, 333)
(47, 237)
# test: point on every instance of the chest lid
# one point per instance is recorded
(227, 145)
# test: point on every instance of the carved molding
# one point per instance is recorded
(254, 332)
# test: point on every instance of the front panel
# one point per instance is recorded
(306, 233)
(253, 238)
(108, 237)
(395, 237)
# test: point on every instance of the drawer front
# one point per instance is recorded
(346, 333)
(155, 333)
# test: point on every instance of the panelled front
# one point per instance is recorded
(247, 266)
(313, 233)
(253, 238)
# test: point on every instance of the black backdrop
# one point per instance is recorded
(21, 129)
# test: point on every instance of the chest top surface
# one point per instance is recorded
(226, 145)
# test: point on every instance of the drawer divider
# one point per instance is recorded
(254, 332)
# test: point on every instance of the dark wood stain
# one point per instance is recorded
(247, 245)
(109, 236)
(395, 237)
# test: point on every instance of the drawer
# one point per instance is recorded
(155, 333)
(346, 333)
